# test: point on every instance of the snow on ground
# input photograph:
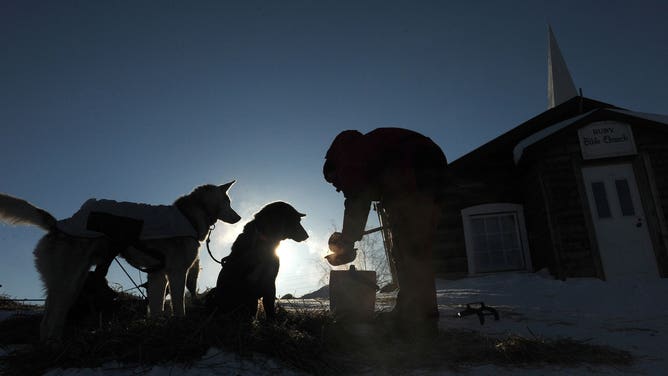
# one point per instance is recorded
(214, 362)
(629, 314)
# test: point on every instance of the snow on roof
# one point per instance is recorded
(543, 133)
(644, 115)
(518, 150)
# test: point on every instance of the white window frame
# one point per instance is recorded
(492, 209)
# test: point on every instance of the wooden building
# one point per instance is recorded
(581, 189)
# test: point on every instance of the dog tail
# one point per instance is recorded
(17, 211)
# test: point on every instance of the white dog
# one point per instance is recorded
(100, 230)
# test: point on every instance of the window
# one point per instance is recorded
(624, 195)
(598, 190)
(601, 199)
(495, 238)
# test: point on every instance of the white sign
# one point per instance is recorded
(604, 139)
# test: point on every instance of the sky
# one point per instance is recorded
(143, 101)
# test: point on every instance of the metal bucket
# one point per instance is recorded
(352, 294)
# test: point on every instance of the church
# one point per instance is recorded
(580, 190)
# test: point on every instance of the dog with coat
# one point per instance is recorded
(164, 239)
(249, 272)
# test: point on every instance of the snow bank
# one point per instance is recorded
(629, 314)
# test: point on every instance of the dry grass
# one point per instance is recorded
(310, 341)
(8, 304)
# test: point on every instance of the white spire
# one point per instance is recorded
(560, 86)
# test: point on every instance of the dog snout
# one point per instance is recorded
(230, 216)
(300, 234)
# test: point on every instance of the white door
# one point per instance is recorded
(619, 220)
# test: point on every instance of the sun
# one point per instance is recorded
(284, 250)
(291, 258)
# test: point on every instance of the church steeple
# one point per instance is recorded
(560, 86)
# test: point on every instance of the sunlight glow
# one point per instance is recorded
(286, 251)
(301, 269)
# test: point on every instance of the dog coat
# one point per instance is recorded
(160, 221)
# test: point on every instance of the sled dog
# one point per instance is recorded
(162, 238)
(249, 272)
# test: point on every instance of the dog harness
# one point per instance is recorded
(159, 221)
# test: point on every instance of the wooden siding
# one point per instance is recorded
(652, 175)
(564, 246)
(548, 183)
(493, 182)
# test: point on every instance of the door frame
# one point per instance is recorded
(591, 213)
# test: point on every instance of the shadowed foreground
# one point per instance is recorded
(303, 340)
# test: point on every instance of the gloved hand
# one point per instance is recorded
(342, 250)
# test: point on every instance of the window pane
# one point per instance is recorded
(484, 261)
(624, 195)
(510, 240)
(478, 226)
(480, 243)
(498, 259)
(492, 225)
(507, 223)
(496, 243)
(601, 199)
(514, 259)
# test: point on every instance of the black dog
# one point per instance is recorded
(249, 272)
(96, 297)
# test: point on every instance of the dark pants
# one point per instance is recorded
(413, 220)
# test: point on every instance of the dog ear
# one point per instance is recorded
(268, 219)
(226, 187)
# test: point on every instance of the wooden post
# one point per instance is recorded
(387, 240)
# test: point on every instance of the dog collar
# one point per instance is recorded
(262, 236)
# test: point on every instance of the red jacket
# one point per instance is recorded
(384, 163)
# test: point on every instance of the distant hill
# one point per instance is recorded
(321, 293)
